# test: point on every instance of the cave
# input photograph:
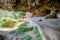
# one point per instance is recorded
(48, 11)
(41, 14)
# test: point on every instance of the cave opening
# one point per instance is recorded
(48, 11)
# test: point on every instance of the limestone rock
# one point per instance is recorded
(37, 7)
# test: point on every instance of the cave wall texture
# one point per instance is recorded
(17, 4)
(35, 6)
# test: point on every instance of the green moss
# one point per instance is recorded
(7, 23)
(22, 31)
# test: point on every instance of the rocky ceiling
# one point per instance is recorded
(48, 8)
(29, 5)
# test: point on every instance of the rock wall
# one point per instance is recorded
(37, 7)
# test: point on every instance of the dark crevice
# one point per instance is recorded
(48, 11)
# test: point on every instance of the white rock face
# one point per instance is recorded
(7, 36)
(28, 14)
(10, 37)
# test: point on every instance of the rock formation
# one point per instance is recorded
(37, 7)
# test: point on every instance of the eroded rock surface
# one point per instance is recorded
(37, 7)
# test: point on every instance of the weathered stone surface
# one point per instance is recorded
(14, 3)
(37, 7)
